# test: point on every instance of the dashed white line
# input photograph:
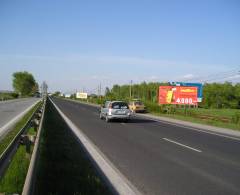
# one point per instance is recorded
(169, 140)
(207, 131)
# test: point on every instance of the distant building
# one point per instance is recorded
(67, 95)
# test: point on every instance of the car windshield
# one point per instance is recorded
(119, 105)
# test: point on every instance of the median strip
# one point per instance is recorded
(62, 165)
(169, 140)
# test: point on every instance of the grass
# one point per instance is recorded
(63, 167)
(14, 178)
(18, 126)
(7, 96)
(31, 131)
(217, 112)
(210, 111)
(232, 126)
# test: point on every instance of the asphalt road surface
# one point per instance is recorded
(160, 158)
(12, 108)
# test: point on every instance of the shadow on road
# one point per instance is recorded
(134, 120)
(138, 120)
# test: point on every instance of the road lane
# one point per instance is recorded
(155, 166)
(13, 108)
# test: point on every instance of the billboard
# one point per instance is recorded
(81, 95)
(67, 95)
(198, 85)
(178, 95)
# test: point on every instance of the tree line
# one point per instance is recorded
(215, 95)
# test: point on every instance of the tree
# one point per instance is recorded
(107, 91)
(57, 93)
(24, 83)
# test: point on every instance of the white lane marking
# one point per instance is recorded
(123, 123)
(169, 140)
(207, 131)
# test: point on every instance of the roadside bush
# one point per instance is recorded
(152, 107)
(236, 118)
(164, 109)
(8, 96)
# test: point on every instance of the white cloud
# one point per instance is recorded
(188, 76)
(233, 77)
(74, 71)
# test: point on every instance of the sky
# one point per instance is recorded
(77, 45)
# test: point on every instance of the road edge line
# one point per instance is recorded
(5, 128)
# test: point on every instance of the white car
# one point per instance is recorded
(115, 110)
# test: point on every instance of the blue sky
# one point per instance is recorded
(78, 44)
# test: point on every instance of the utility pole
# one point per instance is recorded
(98, 93)
(130, 90)
(44, 88)
(100, 90)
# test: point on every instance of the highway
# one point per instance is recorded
(160, 158)
(13, 108)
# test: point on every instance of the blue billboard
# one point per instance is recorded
(198, 85)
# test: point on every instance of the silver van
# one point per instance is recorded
(115, 110)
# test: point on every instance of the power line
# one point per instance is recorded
(222, 76)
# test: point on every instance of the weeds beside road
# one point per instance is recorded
(18, 126)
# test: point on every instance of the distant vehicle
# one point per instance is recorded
(115, 110)
(137, 106)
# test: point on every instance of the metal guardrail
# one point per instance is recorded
(28, 185)
(9, 152)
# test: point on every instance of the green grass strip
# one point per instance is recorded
(18, 126)
(200, 121)
(14, 178)
(31, 131)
